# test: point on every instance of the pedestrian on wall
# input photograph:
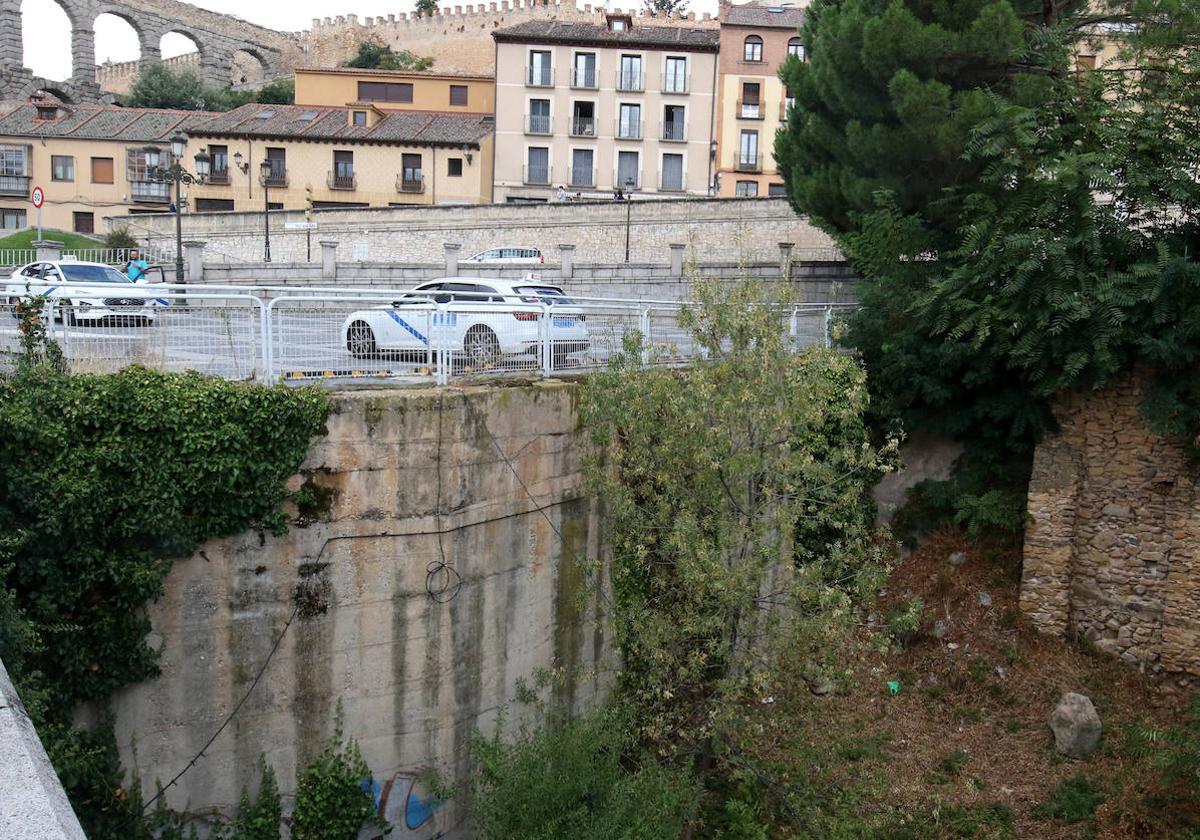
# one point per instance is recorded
(618, 194)
(562, 193)
(135, 266)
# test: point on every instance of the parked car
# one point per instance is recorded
(507, 256)
(87, 292)
(479, 320)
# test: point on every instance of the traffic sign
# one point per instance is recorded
(299, 225)
(38, 197)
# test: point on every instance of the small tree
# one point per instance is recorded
(375, 55)
(120, 239)
(427, 8)
(260, 819)
(665, 8)
(158, 86)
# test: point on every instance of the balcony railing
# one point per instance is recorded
(675, 132)
(581, 176)
(539, 76)
(537, 124)
(583, 77)
(14, 185)
(342, 181)
(669, 183)
(629, 130)
(583, 126)
(675, 83)
(748, 163)
(620, 180)
(630, 80)
(413, 182)
(219, 177)
(278, 176)
(150, 192)
(537, 174)
(749, 110)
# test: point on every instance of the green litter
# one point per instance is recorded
(893, 687)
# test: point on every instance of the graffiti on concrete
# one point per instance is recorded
(413, 812)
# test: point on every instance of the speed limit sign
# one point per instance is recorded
(38, 197)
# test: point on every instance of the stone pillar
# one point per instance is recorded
(452, 249)
(785, 260)
(677, 250)
(48, 250)
(329, 260)
(11, 50)
(83, 54)
(215, 69)
(193, 260)
(566, 258)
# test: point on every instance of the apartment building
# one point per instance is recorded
(356, 156)
(397, 90)
(752, 102)
(594, 108)
(89, 161)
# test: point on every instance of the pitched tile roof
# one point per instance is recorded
(764, 16)
(303, 122)
(565, 32)
(101, 122)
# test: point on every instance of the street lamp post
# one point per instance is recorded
(629, 185)
(264, 178)
(180, 176)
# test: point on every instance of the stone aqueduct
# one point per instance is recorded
(218, 38)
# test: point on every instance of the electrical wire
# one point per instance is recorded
(442, 580)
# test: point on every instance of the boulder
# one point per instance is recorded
(956, 559)
(1076, 726)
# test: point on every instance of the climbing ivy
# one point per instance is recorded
(333, 794)
(104, 481)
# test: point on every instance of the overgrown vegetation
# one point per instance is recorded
(159, 86)
(104, 481)
(333, 794)
(737, 498)
(1024, 226)
(373, 54)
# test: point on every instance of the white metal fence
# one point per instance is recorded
(15, 257)
(302, 335)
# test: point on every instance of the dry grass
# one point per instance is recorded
(969, 726)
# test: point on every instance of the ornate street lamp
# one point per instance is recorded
(264, 178)
(180, 176)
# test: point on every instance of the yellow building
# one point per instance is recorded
(752, 101)
(394, 90)
(356, 156)
(88, 160)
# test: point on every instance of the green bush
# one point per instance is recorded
(1074, 800)
(333, 794)
(119, 238)
(582, 778)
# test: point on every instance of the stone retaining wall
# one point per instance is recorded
(1113, 551)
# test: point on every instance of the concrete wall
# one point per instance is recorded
(715, 230)
(415, 676)
(1112, 554)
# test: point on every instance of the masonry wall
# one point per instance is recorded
(714, 230)
(1112, 554)
(415, 673)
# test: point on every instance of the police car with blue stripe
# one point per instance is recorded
(479, 320)
(85, 292)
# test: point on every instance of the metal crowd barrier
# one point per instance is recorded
(285, 334)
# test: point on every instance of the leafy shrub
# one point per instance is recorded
(1174, 751)
(119, 238)
(260, 819)
(333, 794)
(904, 620)
(579, 778)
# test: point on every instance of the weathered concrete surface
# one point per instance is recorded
(924, 457)
(32, 800)
(415, 677)
(1112, 553)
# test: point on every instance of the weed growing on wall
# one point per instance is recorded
(333, 794)
(104, 481)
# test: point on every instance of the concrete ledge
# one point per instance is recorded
(32, 800)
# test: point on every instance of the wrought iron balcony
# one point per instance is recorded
(537, 124)
(342, 181)
(410, 183)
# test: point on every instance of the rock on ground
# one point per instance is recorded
(1076, 725)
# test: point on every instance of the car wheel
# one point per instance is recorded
(481, 347)
(360, 339)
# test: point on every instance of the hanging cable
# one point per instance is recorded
(442, 581)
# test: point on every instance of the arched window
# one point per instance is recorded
(796, 48)
(753, 49)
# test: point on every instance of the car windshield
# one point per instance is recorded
(92, 274)
(545, 294)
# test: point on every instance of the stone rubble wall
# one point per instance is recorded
(713, 231)
(1112, 554)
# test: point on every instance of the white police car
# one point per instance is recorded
(85, 292)
(479, 320)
